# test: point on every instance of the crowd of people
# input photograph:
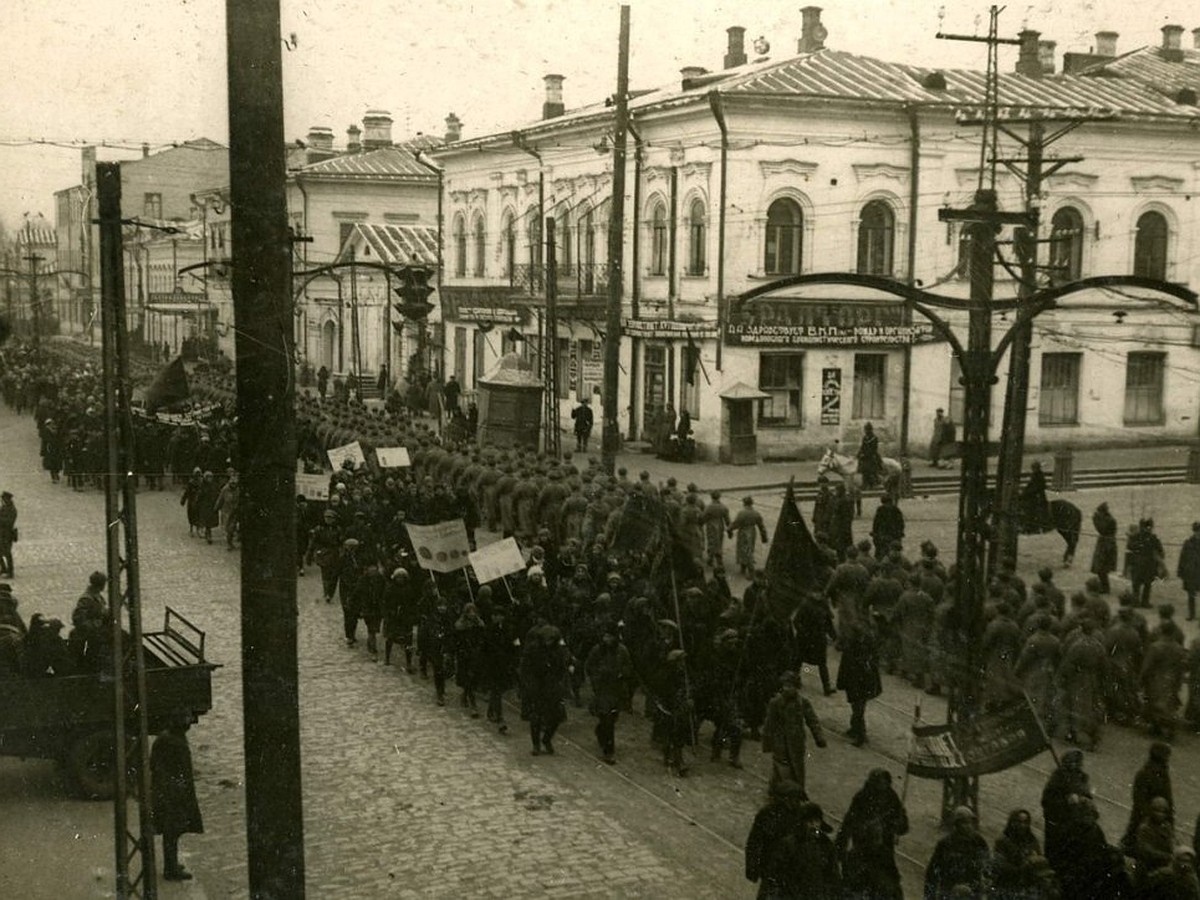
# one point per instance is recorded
(624, 597)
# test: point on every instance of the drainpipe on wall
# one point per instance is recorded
(718, 111)
(635, 278)
(914, 194)
(441, 177)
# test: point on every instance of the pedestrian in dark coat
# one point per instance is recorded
(858, 676)
(582, 414)
(771, 843)
(173, 803)
(1062, 797)
(1162, 680)
(1104, 557)
(1018, 870)
(543, 674)
(1188, 569)
(870, 463)
(1152, 780)
(609, 669)
(401, 613)
(1145, 561)
(1087, 865)
(783, 733)
(866, 843)
(841, 521)
(322, 381)
(469, 637)
(206, 505)
(814, 629)
(959, 860)
(887, 528)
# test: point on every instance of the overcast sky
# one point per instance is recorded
(134, 71)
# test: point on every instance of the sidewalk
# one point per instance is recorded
(724, 477)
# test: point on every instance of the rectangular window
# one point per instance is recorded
(869, 371)
(1144, 388)
(1059, 401)
(152, 206)
(782, 376)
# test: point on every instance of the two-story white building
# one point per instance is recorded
(828, 161)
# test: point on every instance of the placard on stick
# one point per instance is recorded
(339, 455)
(442, 547)
(497, 560)
(392, 457)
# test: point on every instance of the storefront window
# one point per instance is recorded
(782, 376)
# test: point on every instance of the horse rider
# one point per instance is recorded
(870, 463)
(1034, 507)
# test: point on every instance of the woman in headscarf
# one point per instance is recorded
(1019, 871)
(866, 842)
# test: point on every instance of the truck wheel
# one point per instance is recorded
(91, 763)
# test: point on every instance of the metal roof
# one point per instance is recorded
(397, 244)
(1148, 66)
(832, 73)
(398, 161)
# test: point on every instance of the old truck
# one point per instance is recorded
(72, 718)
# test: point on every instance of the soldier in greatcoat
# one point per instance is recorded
(783, 734)
(173, 803)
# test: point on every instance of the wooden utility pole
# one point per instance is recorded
(610, 438)
(262, 301)
(135, 870)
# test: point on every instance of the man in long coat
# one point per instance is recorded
(748, 524)
(1104, 557)
(715, 520)
(858, 676)
(1081, 679)
(866, 842)
(1162, 679)
(1188, 569)
(788, 714)
(173, 803)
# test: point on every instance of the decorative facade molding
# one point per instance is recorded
(867, 171)
(1160, 183)
(968, 178)
(700, 170)
(677, 156)
(653, 173)
(796, 167)
(478, 195)
(1078, 180)
(459, 197)
(522, 176)
(508, 194)
(496, 177)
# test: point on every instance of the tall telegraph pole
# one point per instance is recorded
(610, 438)
(262, 302)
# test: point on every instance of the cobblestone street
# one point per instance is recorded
(407, 799)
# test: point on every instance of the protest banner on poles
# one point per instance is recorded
(312, 487)
(990, 743)
(497, 560)
(392, 457)
(339, 455)
(442, 547)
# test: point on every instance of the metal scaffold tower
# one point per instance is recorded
(136, 874)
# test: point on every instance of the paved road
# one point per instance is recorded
(406, 799)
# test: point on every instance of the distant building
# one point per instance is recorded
(826, 161)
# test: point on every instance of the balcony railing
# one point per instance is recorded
(572, 280)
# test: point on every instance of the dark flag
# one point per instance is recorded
(795, 564)
(993, 742)
(645, 527)
(169, 386)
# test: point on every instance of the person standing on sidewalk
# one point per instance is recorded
(584, 420)
(943, 436)
(8, 533)
(1104, 557)
(1188, 569)
(173, 803)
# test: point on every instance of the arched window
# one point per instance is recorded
(658, 239)
(460, 247)
(697, 238)
(1066, 245)
(784, 225)
(480, 248)
(508, 246)
(876, 239)
(1150, 246)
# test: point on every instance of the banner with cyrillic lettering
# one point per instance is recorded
(990, 743)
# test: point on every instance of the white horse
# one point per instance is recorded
(846, 467)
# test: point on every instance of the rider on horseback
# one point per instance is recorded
(1034, 507)
(870, 463)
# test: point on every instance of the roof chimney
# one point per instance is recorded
(812, 33)
(1106, 43)
(735, 55)
(1029, 57)
(553, 107)
(1196, 38)
(353, 144)
(1172, 44)
(687, 73)
(377, 129)
(320, 143)
(1046, 56)
(453, 128)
